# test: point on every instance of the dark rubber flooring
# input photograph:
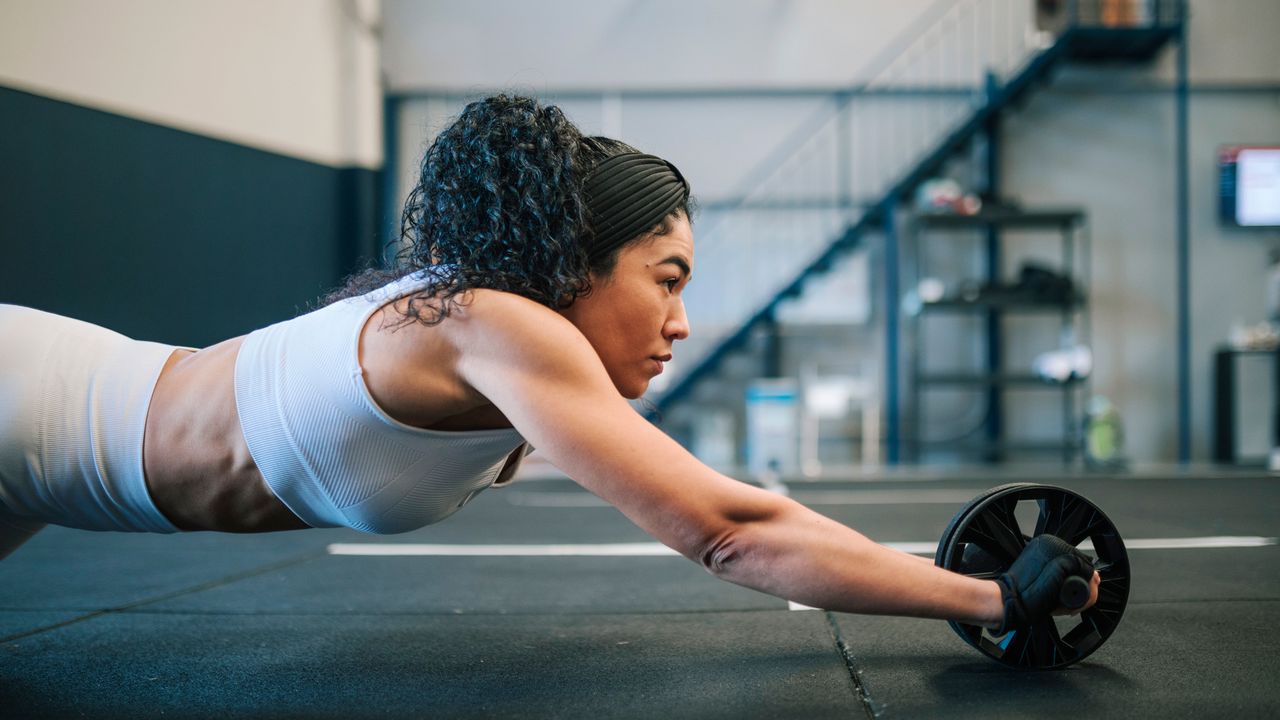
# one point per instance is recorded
(207, 625)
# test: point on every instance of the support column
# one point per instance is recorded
(771, 362)
(390, 205)
(892, 296)
(995, 341)
(1184, 254)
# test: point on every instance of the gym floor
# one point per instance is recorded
(486, 620)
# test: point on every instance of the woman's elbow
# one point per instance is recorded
(724, 550)
(740, 537)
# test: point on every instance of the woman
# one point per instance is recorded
(541, 288)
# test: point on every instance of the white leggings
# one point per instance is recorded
(73, 407)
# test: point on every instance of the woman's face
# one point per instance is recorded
(633, 317)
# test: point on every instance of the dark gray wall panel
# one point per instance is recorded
(166, 235)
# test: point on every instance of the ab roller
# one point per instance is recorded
(985, 538)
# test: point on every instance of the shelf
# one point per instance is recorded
(1228, 350)
(1009, 304)
(1133, 44)
(1053, 296)
(1023, 446)
(1006, 379)
(1005, 217)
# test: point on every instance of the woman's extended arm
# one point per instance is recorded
(539, 370)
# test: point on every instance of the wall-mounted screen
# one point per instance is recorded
(1249, 185)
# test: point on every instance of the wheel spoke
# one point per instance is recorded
(1102, 620)
(1113, 593)
(1084, 637)
(996, 531)
(1015, 648)
(1108, 546)
(1067, 516)
(1046, 648)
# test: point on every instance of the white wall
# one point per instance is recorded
(296, 77)
(627, 44)
(714, 141)
(1232, 41)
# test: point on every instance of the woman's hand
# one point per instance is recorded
(1031, 588)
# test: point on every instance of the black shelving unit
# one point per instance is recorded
(991, 381)
(1245, 396)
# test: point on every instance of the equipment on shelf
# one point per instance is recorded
(947, 196)
(1036, 284)
(1069, 363)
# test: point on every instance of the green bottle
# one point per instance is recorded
(1103, 434)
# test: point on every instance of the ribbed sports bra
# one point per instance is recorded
(324, 446)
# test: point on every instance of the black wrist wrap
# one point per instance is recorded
(1030, 589)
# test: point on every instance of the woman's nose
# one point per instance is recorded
(677, 327)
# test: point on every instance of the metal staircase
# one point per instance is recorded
(839, 177)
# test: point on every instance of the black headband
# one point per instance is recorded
(627, 195)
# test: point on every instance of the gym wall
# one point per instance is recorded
(1104, 139)
(185, 172)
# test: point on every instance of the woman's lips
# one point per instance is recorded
(658, 362)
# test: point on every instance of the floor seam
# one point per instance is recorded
(869, 707)
(167, 596)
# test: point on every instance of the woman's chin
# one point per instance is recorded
(635, 390)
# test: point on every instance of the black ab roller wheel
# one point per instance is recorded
(986, 536)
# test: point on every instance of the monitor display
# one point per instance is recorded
(1249, 185)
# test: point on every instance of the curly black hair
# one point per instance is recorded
(499, 205)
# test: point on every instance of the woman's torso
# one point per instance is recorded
(198, 463)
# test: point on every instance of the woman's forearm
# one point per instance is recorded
(800, 555)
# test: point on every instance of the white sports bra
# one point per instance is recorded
(324, 446)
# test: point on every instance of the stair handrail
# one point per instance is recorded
(793, 141)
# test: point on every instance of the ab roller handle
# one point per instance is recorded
(1074, 593)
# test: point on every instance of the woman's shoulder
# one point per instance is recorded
(503, 324)
(478, 322)
(422, 372)
(500, 310)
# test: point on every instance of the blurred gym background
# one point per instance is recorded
(932, 233)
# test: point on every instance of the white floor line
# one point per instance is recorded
(1219, 541)
(883, 497)
(595, 550)
(553, 499)
(928, 547)
(658, 550)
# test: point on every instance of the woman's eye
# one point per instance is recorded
(671, 284)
